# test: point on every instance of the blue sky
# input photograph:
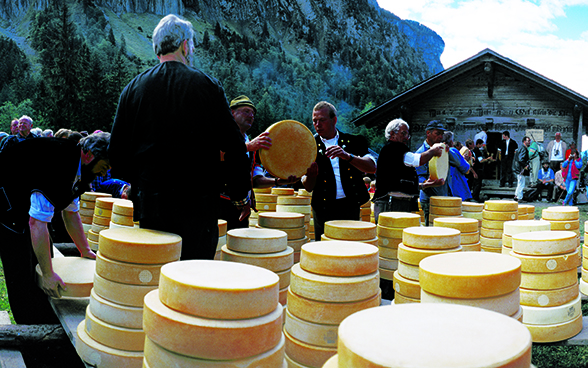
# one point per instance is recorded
(548, 36)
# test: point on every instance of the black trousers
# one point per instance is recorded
(230, 213)
(506, 176)
(340, 209)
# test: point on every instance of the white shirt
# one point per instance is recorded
(557, 148)
(41, 209)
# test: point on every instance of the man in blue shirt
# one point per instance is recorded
(546, 180)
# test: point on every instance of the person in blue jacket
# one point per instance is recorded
(458, 169)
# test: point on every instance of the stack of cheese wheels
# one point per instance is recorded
(584, 262)
(389, 231)
(563, 218)
(360, 231)
(214, 314)
(76, 272)
(310, 225)
(87, 207)
(295, 204)
(366, 211)
(289, 222)
(455, 336)
(470, 233)
(265, 201)
(222, 238)
(417, 244)
(127, 268)
(420, 212)
(526, 212)
(444, 207)
(101, 220)
(550, 295)
(494, 215)
(122, 214)
(478, 279)
(521, 226)
(266, 248)
(473, 210)
(333, 280)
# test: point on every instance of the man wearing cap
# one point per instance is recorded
(336, 177)
(434, 134)
(556, 150)
(168, 172)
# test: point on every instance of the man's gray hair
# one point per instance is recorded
(97, 143)
(170, 33)
(447, 136)
(394, 126)
(26, 117)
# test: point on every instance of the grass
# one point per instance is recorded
(4, 305)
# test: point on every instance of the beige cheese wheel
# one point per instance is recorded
(266, 198)
(388, 264)
(439, 166)
(294, 200)
(333, 288)
(222, 227)
(276, 262)
(158, 356)
(501, 205)
(545, 242)
(373, 241)
(124, 338)
(525, 226)
(281, 220)
(94, 236)
(122, 219)
(408, 271)
(283, 191)
(210, 338)
(507, 241)
(284, 277)
(257, 240)
(106, 202)
(231, 290)
(76, 272)
(86, 212)
(549, 298)
(386, 274)
(552, 315)
(470, 274)
(548, 281)
(391, 253)
(127, 273)
(389, 232)
(475, 247)
(499, 216)
(472, 207)
(123, 207)
(87, 205)
(103, 212)
(490, 242)
(491, 233)
(431, 237)
(455, 336)
(402, 299)
(565, 225)
(125, 294)
(549, 263)
(493, 224)
(102, 356)
(339, 258)
(413, 256)
(292, 233)
(445, 211)
(115, 314)
(444, 201)
(465, 225)
(296, 244)
(101, 220)
(399, 219)
(559, 213)
(470, 238)
(92, 196)
(318, 334)
(327, 312)
(406, 287)
(304, 209)
(135, 245)
(473, 215)
(555, 332)
(307, 354)
(350, 230)
(391, 243)
(507, 304)
(267, 207)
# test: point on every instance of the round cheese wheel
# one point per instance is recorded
(439, 166)
(101, 220)
(475, 247)
(493, 224)
(507, 304)
(465, 225)
(525, 226)
(470, 238)
(333, 362)
(103, 212)
(501, 206)
(294, 200)
(472, 207)
(403, 299)
(565, 225)
(549, 298)
(545, 242)
(87, 205)
(292, 233)
(254, 240)
(443, 201)
(222, 227)
(281, 219)
(231, 290)
(490, 242)
(386, 274)
(307, 355)
(124, 338)
(311, 333)
(127, 273)
(406, 287)
(548, 281)
(123, 207)
(388, 264)
(283, 191)
(445, 211)
(431, 237)
(271, 207)
(122, 219)
(549, 263)
(491, 233)
(262, 190)
(92, 196)
(339, 258)
(106, 202)
(293, 149)
(413, 256)
(389, 232)
(296, 244)
(210, 338)
(332, 288)
(304, 209)
(499, 216)
(276, 262)
(473, 215)
(116, 314)
(399, 219)
(551, 315)
(560, 213)
(556, 331)
(76, 272)
(125, 294)
(470, 274)
(266, 198)
(391, 243)
(447, 330)
(135, 245)
(350, 230)
(391, 253)
(408, 271)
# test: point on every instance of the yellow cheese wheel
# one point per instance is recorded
(413, 256)
(276, 262)
(493, 224)
(231, 290)
(388, 252)
(291, 233)
(444, 211)
(548, 281)
(549, 298)
(388, 264)
(403, 299)
(296, 244)
(350, 230)
(406, 287)
(318, 334)
(262, 190)
(99, 211)
(545, 242)
(399, 219)
(439, 165)
(565, 225)
(222, 227)
(158, 356)
(210, 338)
(386, 274)
(116, 314)
(135, 245)
(465, 225)
(408, 271)
(391, 243)
(455, 336)
(257, 240)
(559, 213)
(491, 249)
(304, 209)
(333, 288)
(86, 212)
(373, 241)
(490, 242)
(92, 196)
(87, 205)
(99, 355)
(556, 331)
(122, 219)
(106, 202)
(261, 206)
(501, 205)
(470, 274)
(476, 247)
(431, 237)
(389, 232)
(125, 294)
(123, 207)
(507, 304)
(443, 201)
(294, 200)
(266, 198)
(549, 263)
(284, 277)
(491, 233)
(283, 191)
(472, 207)
(76, 272)
(124, 338)
(127, 273)
(94, 236)
(327, 312)
(552, 315)
(339, 258)
(307, 355)
(473, 215)
(499, 216)
(470, 238)
(100, 220)
(98, 228)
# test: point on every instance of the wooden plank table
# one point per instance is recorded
(70, 312)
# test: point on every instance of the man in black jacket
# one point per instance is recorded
(507, 148)
(520, 167)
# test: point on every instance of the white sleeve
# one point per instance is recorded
(412, 159)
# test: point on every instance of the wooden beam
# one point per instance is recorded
(18, 335)
(489, 70)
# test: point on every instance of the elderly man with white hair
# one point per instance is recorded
(25, 123)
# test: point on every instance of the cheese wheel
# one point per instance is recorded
(92, 196)
(87, 205)
(491, 233)
(135, 245)
(490, 242)
(491, 249)
(470, 238)
(327, 312)
(472, 207)
(388, 264)
(262, 190)
(101, 220)
(545, 242)
(339, 258)
(92, 235)
(293, 233)
(388, 274)
(332, 288)
(499, 216)
(373, 241)
(444, 211)
(413, 256)
(447, 330)
(565, 225)
(122, 219)
(350, 230)
(158, 356)
(549, 263)
(444, 201)
(311, 333)
(266, 198)
(465, 225)
(559, 213)
(391, 243)
(408, 271)
(293, 200)
(439, 165)
(283, 191)
(403, 299)
(470, 274)
(389, 232)
(103, 212)
(399, 219)
(333, 362)
(507, 304)
(116, 314)
(124, 338)
(501, 205)
(431, 237)
(231, 290)
(276, 262)
(551, 315)
(106, 202)
(257, 240)
(304, 209)
(210, 338)
(222, 227)
(125, 294)
(549, 298)
(76, 272)
(556, 331)
(406, 287)
(261, 206)
(123, 207)
(86, 212)
(473, 215)
(307, 354)
(127, 273)
(493, 224)
(296, 244)
(391, 253)
(548, 281)
(98, 228)
(476, 247)
(99, 355)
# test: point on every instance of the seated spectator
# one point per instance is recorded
(546, 180)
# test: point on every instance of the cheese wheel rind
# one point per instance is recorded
(99, 355)
(431, 237)
(551, 315)
(549, 298)
(127, 273)
(276, 262)
(76, 272)
(339, 258)
(116, 337)
(508, 304)
(545, 242)
(136, 245)
(257, 240)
